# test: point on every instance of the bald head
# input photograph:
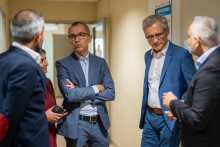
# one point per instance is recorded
(26, 24)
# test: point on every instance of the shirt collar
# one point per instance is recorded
(81, 57)
(36, 56)
(204, 56)
(164, 49)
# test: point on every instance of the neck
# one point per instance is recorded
(30, 45)
(83, 54)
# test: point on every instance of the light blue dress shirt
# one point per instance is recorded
(205, 56)
(86, 108)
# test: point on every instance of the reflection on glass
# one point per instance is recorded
(98, 52)
(99, 41)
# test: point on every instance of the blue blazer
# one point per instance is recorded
(22, 100)
(70, 68)
(178, 70)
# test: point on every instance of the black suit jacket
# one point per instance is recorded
(22, 100)
(200, 113)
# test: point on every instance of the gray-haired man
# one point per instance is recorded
(199, 113)
(23, 122)
(168, 68)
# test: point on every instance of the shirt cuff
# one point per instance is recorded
(95, 89)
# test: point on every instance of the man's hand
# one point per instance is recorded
(54, 117)
(169, 113)
(167, 97)
(100, 87)
(71, 84)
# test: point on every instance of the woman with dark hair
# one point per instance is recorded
(50, 102)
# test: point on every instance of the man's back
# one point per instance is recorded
(22, 93)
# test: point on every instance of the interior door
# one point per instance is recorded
(62, 48)
(98, 45)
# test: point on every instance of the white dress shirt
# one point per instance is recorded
(36, 56)
(154, 77)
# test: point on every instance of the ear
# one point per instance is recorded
(38, 37)
(168, 30)
(197, 42)
(69, 41)
(90, 38)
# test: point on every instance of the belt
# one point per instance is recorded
(156, 110)
(91, 119)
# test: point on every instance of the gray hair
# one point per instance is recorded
(26, 24)
(152, 19)
(206, 29)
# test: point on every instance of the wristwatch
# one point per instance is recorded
(171, 103)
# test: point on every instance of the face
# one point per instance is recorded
(191, 41)
(80, 45)
(43, 63)
(157, 36)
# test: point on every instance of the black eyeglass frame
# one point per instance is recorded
(78, 35)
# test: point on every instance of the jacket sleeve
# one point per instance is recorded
(109, 93)
(77, 94)
(188, 69)
(205, 98)
(20, 84)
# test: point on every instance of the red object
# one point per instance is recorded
(50, 102)
(3, 126)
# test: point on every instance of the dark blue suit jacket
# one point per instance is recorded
(178, 70)
(22, 100)
(70, 68)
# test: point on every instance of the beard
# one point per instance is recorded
(191, 49)
(38, 48)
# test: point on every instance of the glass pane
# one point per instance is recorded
(99, 41)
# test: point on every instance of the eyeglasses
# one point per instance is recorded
(80, 35)
(158, 36)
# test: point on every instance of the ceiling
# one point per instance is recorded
(69, 0)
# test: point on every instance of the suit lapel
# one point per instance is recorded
(74, 61)
(92, 65)
(166, 62)
(148, 62)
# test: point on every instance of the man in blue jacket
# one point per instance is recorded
(168, 68)
(91, 86)
(23, 122)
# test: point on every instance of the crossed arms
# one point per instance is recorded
(74, 93)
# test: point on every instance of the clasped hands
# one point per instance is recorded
(167, 97)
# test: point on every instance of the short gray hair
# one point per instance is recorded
(206, 29)
(152, 19)
(26, 24)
